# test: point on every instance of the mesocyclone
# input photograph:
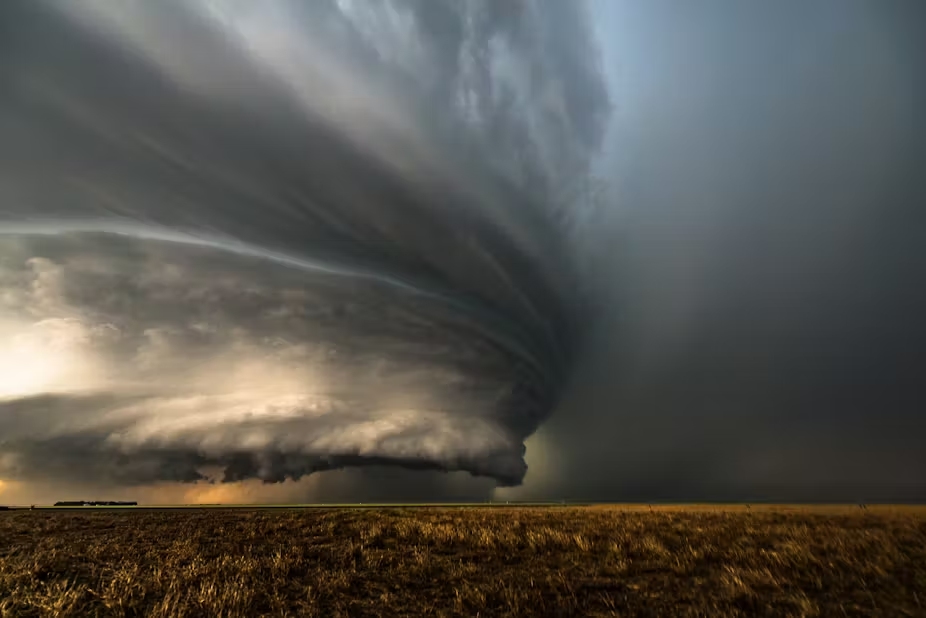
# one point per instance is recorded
(286, 237)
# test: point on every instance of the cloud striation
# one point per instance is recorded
(280, 238)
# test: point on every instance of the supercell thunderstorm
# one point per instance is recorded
(287, 237)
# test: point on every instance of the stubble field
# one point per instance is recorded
(517, 561)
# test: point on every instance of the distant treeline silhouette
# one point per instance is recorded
(95, 503)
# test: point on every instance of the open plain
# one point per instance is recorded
(679, 560)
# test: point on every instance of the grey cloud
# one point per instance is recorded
(763, 316)
(337, 216)
(257, 230)
(217, 359)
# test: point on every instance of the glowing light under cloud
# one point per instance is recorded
(40, 358)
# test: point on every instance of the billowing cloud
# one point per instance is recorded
(140, 361)
(287, 238)
(373, 238)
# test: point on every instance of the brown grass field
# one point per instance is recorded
(502, 561)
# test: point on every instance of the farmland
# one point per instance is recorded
(452, 561)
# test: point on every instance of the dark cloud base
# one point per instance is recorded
(306, 237)
(259, 241)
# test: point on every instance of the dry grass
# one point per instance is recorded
(464, 562)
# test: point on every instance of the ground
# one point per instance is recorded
(499, 561)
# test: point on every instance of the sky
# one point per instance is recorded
(766, 261)
(438, 251)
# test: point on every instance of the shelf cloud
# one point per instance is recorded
(289, 238)
(460, 250)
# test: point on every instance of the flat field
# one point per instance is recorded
(448, 561)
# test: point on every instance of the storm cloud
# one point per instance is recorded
(364, 251)
(765, 260)
(289, 238)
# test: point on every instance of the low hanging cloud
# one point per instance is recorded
(250, 241)
(142, 361)
(288, 238)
